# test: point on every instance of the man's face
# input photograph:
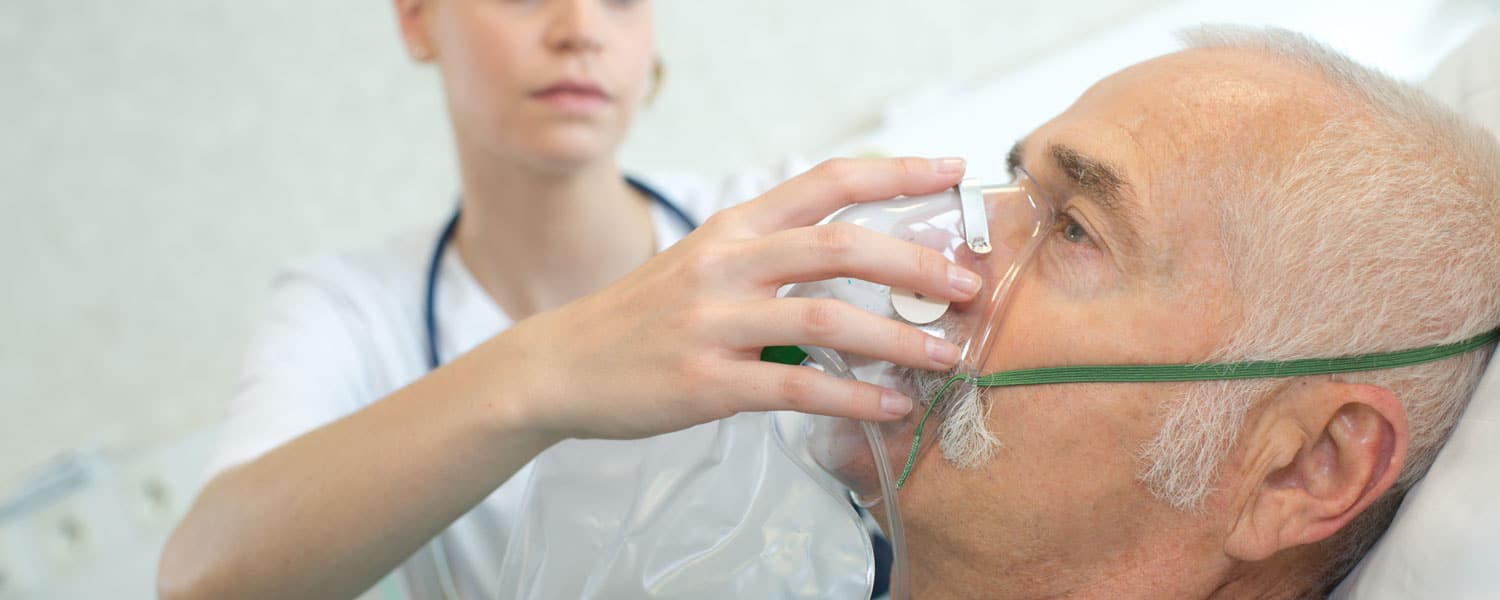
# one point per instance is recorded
(1132, 273)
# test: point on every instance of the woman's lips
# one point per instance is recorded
(574, 97)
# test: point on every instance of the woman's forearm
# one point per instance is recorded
(329, 513)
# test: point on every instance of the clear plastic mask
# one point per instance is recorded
(861, 455)
(992, 230)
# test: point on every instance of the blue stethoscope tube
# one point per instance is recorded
(429, 312)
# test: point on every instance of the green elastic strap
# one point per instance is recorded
(786, 355)
(1198, 372)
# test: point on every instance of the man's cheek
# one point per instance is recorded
(1073, 429)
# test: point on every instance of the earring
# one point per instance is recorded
(658, 72)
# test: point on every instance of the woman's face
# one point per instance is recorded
(553, 83)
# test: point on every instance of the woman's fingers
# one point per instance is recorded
(838, 325)
(845, 250)
(769, 386)
(834, 184)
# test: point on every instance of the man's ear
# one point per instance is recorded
(411, 16)
(1317, 454)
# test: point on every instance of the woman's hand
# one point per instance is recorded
(677, 342)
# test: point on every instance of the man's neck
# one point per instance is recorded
(537, 239)
(995, 571)
(1290, 574)
(959, 563)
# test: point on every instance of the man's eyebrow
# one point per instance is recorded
(1102, 183)
(1098, 180)
(1013, 158)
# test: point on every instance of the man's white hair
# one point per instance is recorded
(1381, 233)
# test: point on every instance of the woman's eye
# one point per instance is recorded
(1073, 232)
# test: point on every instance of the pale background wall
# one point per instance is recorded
(159, 158)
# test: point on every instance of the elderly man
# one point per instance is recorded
(1255, 197)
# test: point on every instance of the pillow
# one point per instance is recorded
(1445, 540)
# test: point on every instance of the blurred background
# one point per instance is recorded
(160, 158)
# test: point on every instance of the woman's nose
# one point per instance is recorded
(573, 25)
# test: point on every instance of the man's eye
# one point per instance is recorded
(1073, 232)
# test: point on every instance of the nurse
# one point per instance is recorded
(399, 395)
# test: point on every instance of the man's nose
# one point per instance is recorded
(573, 25)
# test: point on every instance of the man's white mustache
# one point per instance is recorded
(963, 415)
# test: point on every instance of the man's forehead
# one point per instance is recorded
(1142, 142)
(1211, 103)
(1192, 107)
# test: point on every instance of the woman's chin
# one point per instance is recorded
(574, 146)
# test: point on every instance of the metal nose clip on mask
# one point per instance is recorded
(992, 230)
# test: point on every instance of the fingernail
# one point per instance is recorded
(894, 404)
(942, 352)
(962, 280)
(948, 166)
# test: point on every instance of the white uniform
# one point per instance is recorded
(699, 513)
